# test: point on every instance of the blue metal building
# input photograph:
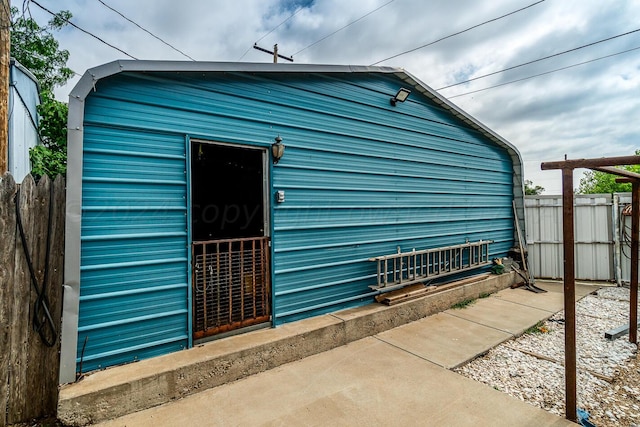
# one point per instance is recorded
(24, 98)
(182, 222)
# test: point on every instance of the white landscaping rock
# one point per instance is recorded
(541, 382)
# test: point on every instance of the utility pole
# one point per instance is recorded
(5, 54)
(275, 53)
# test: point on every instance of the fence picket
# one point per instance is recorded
(20, 298)
(29, 369)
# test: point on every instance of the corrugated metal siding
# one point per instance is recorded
(370, 178)
(134, 287)
(361, 177)
(593, 236)
(23, 120)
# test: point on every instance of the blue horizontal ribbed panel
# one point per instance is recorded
(361, 178)
(134, 286)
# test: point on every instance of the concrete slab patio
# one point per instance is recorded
(552, 301)
(383, 364)
(456, 336)
(365, 383)
(444, 339)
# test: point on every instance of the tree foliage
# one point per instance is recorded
(36, 48)
(532, 190)
(595, 182)
(50, 158)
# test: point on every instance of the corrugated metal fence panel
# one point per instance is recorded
(593, 236)
(361, 177)
(544, 235)
(134, 287)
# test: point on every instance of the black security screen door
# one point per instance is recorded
(230, 252)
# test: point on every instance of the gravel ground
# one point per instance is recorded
(530, 367)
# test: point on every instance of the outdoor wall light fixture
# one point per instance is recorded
(401, 96)
(277, 150)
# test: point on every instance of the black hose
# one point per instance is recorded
(42, 320)
(84, 346)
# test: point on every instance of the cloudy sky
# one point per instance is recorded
(589, 110)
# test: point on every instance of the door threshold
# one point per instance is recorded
(238, 331)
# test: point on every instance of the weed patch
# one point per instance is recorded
(538, 328)
(463, 303)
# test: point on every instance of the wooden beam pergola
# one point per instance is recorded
(591, 163)
(630, 176)
(603, 164)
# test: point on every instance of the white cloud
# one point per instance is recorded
(586, 111)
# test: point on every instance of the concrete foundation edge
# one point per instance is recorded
(175, 382)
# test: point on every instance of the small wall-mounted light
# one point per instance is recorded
(401, 96)
(277, 150)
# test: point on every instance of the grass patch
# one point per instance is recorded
(463, 303)
(484, 295)
(538, 328)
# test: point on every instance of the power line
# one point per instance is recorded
(146, 31)
(25, 8)
(280, 24)
(82, 29)
(539, 59)
(545, 73)
(272, 30)
(342, 28)
(458, 33)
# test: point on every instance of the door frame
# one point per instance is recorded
(267, 171)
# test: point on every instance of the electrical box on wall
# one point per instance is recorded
(280, 196)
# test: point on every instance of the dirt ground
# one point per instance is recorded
(44, 422)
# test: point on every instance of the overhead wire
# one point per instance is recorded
(145, 30)
(272, 30)
(458, 33)
(545, 73)
(539, 59)
(342, 28)
(281, 24)
(83, 30)
(25, 8)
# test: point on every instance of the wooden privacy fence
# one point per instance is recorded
(30, 296)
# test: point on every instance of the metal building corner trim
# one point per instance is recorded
(71, 301)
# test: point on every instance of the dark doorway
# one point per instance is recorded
(230, 252)
(226, 192)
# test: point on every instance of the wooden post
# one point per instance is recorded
(635, 229)
(7, 249)
(275, 53)
(5, 54)
(569, 295)
(602, 164)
